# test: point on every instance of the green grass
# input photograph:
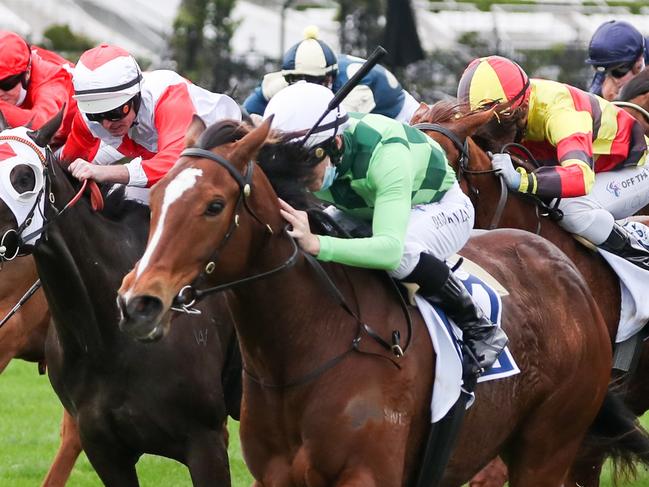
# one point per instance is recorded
(29, 433)
(30, 416)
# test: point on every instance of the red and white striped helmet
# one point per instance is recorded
(105, 78)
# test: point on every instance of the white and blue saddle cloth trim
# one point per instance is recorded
(446, 336)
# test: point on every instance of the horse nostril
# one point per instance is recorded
(143, 308)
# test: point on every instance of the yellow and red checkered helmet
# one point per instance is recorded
(493, 79)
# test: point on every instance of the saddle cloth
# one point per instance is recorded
(634, 310)
(445, 336)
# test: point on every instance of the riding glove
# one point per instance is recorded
(503, 164)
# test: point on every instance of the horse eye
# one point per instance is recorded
(214, 208)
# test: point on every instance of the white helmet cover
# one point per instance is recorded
(105, 78)
(298, 107)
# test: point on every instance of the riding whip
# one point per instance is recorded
(342, 93)
(30, 292)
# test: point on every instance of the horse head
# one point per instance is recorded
(634, 98)
(213, 195)
(23, 161)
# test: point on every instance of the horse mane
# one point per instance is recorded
(442, 111)
(116, 206)
(286, 164)
(638, 85)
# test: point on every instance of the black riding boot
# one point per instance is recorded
(440, 286)
(621, 243)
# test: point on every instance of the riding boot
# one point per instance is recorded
(440, 286)
(620, 242)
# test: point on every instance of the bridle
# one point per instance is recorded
(553, 212)
(189, 295)
(463, 168)
(635, 106)
(46, 161)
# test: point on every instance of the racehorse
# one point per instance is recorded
(324, 403)
(23, 337)
(127, 398)
(634, 98)
(484, 187)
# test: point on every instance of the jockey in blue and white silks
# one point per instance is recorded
(313, 60)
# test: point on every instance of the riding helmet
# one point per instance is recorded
(104, 78)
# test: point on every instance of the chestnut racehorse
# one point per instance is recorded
(484, 188)
(323, 402)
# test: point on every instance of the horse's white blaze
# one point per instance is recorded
(175, 189)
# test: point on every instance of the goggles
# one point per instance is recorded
(114, 115)
(10, 82)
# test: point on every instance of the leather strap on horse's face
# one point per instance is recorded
(188, 295)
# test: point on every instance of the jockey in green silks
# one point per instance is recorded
(396, 177)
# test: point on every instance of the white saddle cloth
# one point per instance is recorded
(445, 335)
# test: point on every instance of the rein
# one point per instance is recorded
(635, 106)
(463, 168)
(189, 295)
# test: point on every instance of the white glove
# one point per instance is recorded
(503, 164)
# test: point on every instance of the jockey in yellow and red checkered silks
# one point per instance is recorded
(493, 79)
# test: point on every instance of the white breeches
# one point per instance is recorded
(615, 195)
(439, 229)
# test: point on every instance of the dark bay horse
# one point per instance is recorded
(634, 98)
(126, 397)
(323, 403)
(484, 188)
(23, 337)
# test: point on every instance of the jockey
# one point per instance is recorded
(395, 176)
(124, 113)
(35, 84)
(592, 154)
(314, 61)
(617, 52)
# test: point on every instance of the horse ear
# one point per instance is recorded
(44, 135)
(469, 124)
(195, 129)
(419, 113)
(247, 147)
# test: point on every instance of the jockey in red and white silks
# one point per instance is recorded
(35, 84)
(127, 113)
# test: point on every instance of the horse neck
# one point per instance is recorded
(81, 263)
(290, 323)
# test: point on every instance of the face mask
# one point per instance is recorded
(329, 177)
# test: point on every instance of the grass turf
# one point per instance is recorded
(29, 433)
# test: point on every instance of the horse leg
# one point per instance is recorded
(67, 454)
(540, 463)
(114, 467)
(208, 460)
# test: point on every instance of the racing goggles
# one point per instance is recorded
(10, 82)
(114, 115)
(618, 71)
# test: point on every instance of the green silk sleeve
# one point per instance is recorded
(392, 183)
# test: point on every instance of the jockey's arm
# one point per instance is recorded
(570, 131)
(384, 249)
